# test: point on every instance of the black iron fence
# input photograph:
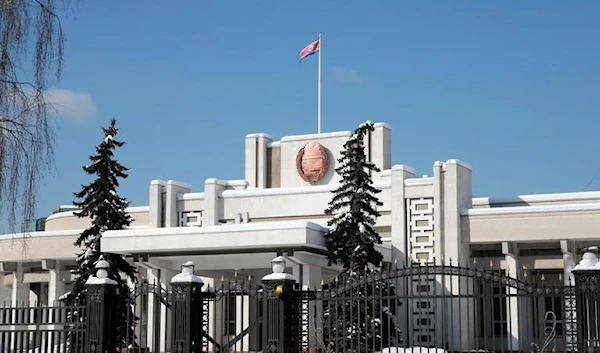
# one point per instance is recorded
(232, 317)
(143, 317)
(447, 308)
(42, 329)
(453, 308)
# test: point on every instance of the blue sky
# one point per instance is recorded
(510, 87)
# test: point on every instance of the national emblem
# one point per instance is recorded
(312, 162)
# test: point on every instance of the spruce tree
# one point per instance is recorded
(351, 241)
(100, 202)
(359, 314)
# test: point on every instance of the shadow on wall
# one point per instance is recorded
(328, 177)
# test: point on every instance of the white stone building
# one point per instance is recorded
(235, 227)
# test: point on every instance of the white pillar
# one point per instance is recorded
(155, 204)
(256, 171)
(5, 291)
(399, 228)
(457, 195)
(452, 181)
(153, 277)
(569, 250)
(212, 189)
(56, 284)
(510, 252)
(20, 290)
(379, 145)
(165, 336)
(173, 188)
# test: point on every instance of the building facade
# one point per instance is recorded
(233, 228)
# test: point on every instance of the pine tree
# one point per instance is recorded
(351, 241)
(100, 202)
(360, 313)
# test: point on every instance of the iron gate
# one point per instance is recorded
(232, 317)
(143, 323)
(449, 307)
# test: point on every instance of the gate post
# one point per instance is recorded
(278, 297)
(186, 329)
(587, 300)
(100, 330)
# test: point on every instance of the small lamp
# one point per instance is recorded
(102, 267)
(278, 264)
(188, 268)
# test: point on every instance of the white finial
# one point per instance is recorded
(278, 264)
(187, 268)
(187, 275)
(102, 267)
(278, 268)
(101, 276)
(589, 260)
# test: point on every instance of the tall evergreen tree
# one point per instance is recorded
(100, 202)
(361, 314)
(351, 241)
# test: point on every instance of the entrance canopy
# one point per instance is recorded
(230, 246)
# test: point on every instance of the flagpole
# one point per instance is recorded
(319, 88)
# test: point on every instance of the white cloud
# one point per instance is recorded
(345, 75)
(71, 104)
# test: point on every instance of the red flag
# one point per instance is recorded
(310, 49)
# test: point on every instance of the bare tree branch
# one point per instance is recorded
(31, 59)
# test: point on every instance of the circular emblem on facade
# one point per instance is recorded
(312, 162)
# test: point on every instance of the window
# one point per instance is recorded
(191, 219)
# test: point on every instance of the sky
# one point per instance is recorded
(511, 87)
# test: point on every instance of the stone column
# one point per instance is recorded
(278, 312)
(587, 297)
(256, 159)
(20, 290)
(100, 316)
(456, 195)
(399, 227)
(568, 250)
(165, 337)
(212, 189)
(173, 188)
(379, 146)
(570, 313)
(155, 203)
(154, 307)
(186, 309)
(511, 254)
(5, 291)
(56, 284)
